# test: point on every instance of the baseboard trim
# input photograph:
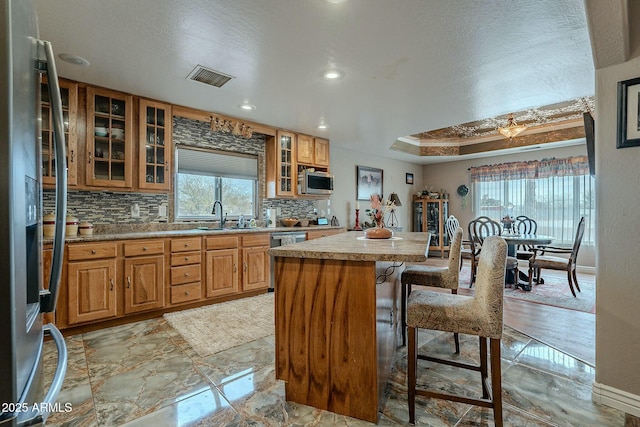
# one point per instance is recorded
(618, 399)
(585, 269)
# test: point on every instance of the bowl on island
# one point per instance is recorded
(289, 222)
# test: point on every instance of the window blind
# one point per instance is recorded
(205, 162)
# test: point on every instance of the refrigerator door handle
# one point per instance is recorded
(48, 298)
(41, 416)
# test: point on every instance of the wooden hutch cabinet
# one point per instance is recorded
(429, 215)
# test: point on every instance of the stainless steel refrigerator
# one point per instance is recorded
(23, 298)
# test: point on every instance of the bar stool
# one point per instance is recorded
(479, 315)
(440, 277)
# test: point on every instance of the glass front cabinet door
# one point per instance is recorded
(109, 138)
(429, 216)
(154, 171)
(69, 95)
(287, 175)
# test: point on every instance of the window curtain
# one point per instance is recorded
(545, 168)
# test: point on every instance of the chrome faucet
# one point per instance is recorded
(213, 212)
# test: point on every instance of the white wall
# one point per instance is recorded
(343, 166)
(449, 176)
(618, 213)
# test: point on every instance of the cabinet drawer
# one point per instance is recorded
(261, 239)
(187, 244)
(185, 293)
(91, 251)
(185, 258)
(185, 274)
(147, 247)
(222, 242)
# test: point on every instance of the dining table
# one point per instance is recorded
(515, 239)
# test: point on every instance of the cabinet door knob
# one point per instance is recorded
(128, 282)
(245, 266)
(186, 245)
(90, 158)
(111, 281)
(186, 274)
(71, 156)
(186, 292)
(186, 258)
(93, 251)
(144, 248)
(235, 268)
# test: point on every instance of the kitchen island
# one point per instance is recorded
(337, 318)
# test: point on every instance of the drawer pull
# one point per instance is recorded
(186, 274)
(186, 293)
(186, 258)
(128, 282)
(93, 251)
(144, 248)
(186, 245)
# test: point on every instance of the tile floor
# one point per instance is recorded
(145, 374)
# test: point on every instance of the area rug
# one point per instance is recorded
(554, 292)
(217, 327)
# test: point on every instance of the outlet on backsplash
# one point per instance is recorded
(135, 210)
(162, 210)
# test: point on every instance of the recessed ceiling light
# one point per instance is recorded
(74, 59)
(335, 1)
(333, 74)
(246, 106)
(322, 126)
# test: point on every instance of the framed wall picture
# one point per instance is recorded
(368, 182)
(409, 178)
(628, 113)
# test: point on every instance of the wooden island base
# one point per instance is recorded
(336, 332)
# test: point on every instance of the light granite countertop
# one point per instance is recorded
(156, 231)
(353, 246)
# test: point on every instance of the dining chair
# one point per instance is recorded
(525, 225)
(479, 229)
(480, 315)
(428, 275)
(451, 225)
(540, 260)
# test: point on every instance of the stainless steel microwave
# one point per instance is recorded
(315, 183)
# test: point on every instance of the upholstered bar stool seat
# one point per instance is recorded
(439, 277)
(479, 315)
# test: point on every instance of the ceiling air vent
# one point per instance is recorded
(209, 76)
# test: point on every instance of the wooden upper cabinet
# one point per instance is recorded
(109, 138)
(282, 173)
(305, 150)
(321, 152)
(312, 151)
(69, 96)
(155, 147)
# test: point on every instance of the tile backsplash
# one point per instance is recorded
(107, 207)
(111, 207)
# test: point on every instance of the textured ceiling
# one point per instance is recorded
(409, 66)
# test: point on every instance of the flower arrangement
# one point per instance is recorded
(379, 209)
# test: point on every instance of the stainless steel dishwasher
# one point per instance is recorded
(282, 239)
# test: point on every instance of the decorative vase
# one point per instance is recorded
(378, 232)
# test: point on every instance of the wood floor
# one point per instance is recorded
(569, 331)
